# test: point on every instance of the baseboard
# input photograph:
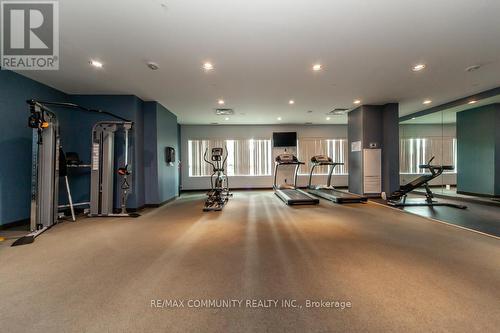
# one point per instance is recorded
(253, 189)
(20, 223)
(231, 189)
(479, 195)
(161, 203)
(132, 210)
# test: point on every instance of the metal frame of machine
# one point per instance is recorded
(44, 171)
(219, 193)
(290, 194)
(45, 168)
(102, 166)
(328, 191)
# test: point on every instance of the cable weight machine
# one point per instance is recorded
(45, 170)
(102, 166)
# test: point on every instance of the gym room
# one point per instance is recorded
(250, 166)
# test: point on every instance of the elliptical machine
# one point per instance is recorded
(219, 193)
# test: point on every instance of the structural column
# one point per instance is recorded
(373, 137)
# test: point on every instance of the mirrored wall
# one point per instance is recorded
(462, 139)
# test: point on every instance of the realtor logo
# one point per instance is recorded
(30, 35)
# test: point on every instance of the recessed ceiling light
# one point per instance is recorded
(472, 102)
(153, 66)
(221, 102)
(357, 102)
(327, 118)
(96, 63)
(317, 67)
(291, 102)
(208, 66)
(427, 101)
(279, 118)
(227, 118)
(418, 67)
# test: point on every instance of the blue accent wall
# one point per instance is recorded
(15, 142)
(76, 128)
(478, 150)
(160, 131)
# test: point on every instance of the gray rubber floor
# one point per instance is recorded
(477, 216)
(400, 272)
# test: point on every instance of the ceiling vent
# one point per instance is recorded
(224, 112)
(338, 112)
(472, 68)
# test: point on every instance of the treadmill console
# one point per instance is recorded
(217, 154)
(286, 159)
(217, 151)
(321, 159)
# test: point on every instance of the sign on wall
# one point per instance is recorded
(355, 146)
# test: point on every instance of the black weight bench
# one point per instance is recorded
(398, 198)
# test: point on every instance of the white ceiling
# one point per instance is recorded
(263, 51)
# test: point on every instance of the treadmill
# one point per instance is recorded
(290, 194)
(327, 191)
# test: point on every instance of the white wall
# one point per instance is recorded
(198, 132)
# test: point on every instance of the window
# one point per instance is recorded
(416, 151)
(334, 148)
(245, 157)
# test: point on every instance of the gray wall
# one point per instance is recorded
(377, 124)
(478, 150)
(390, 148)
(355, 133)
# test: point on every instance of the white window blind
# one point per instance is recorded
(246, 157)
(334, 148)
(416, 151)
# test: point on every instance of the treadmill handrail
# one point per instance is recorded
(277, 164)
(330, 173)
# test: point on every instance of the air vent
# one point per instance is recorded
(224, 112)
(214, 123)
(472, 68)
(309, 123)
(338, 112)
